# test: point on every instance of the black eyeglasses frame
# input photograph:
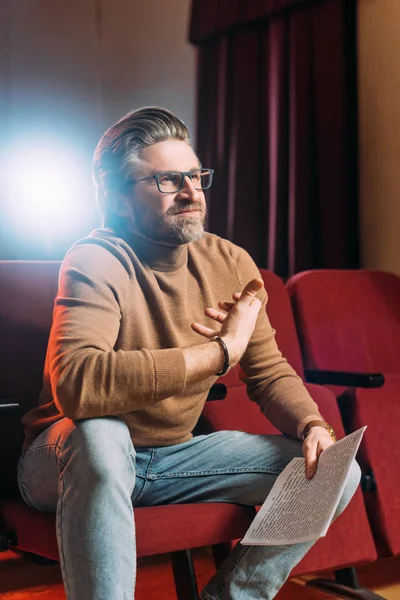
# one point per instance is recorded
(183, 174)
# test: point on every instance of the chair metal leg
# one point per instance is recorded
(220, 552)
(7, 539)
(348, 577)
(184, 575)
(3, 542)
(345, 585)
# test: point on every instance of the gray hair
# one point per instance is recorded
(116, 154)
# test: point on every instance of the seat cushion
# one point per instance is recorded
(159, 529)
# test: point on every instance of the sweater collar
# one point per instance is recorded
(159, 256)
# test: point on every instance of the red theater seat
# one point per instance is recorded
(349, 322)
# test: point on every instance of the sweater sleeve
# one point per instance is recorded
(270, 380)
(88, 377)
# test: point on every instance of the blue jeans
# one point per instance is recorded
(89, 473)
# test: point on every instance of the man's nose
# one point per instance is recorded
(189, 191)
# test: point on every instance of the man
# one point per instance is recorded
(150, 311)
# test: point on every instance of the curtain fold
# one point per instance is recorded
(211, 17)
(276, 119)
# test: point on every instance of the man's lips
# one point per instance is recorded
(187, 212)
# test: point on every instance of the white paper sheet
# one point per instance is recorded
(299, 509)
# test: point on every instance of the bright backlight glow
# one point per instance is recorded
(45, 189)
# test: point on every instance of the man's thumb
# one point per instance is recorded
(252, 287)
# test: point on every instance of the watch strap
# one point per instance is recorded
(226, 365)
(318, 423)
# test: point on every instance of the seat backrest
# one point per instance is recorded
(28, 289)
(280, 313)
(27, 292)
(348, 320)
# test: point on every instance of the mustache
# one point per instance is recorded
(185, 206)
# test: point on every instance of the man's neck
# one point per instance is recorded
(158, 254)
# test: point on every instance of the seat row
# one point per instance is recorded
(340, 331)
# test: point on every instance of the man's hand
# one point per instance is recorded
(238, 320)
(316, 441)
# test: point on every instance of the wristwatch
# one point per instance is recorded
(316, 423)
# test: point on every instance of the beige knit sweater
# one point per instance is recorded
(121, 318)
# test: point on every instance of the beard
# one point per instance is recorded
(172, 227)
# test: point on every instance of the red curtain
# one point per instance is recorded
(277, 121)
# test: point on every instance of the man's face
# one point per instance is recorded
(175, 218)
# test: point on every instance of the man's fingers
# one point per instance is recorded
(315, 443)
(203, 330)
(311, 459)
(215, 314)
(246, 297)
(226, 306)
(311, 467)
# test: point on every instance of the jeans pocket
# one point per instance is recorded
(28, 497)
(38, 477)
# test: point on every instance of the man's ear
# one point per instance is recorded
(121, 205)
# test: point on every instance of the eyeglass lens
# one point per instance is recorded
(172, 182)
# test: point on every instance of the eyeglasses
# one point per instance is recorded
(171, 182)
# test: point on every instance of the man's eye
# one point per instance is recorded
(195, 176)
(167, 178)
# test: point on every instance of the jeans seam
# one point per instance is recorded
(217, 592)
(29, 497)
(140, 494)
(43, 446)
(132, 456)
(151, 461)
(172, 474)
(60, 536)
(20, 466)
(145, 476)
